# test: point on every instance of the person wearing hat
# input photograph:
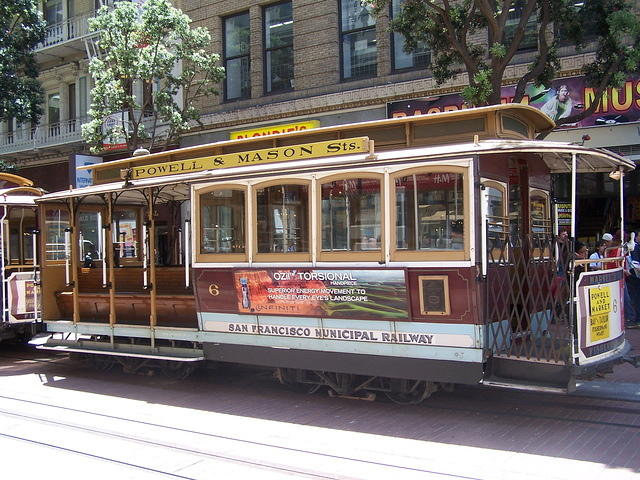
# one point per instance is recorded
(607, 237)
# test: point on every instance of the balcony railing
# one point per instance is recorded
(44, 135)
(71, 29)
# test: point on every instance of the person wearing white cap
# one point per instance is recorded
(607, 236)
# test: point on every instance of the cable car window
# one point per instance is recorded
(22, 222)
(430, 211)
(126, 233)
(282, 219)
(90, 226)
(541, 225)
(540, 215)
(56, 222)
(351, 215)
(497, 222)
(222, 220)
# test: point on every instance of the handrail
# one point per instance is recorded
(42, 135)
(589, 261)
(71, 29)
(584, 261)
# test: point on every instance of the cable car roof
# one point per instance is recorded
(556, 155)
(9, 179)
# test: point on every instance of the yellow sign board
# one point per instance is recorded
(599, 309)
(255, 157)
(275, 129)
(599, 300)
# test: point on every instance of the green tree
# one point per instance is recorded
(21, 29)
(149, 44)
(8, 167)
(451, 29)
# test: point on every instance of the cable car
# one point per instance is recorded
(18, 257)
(396, 256)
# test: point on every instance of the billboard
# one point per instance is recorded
(82, 178)
(565, 97)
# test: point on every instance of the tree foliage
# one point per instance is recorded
(452, 29)
(21, 29)
(151, 43)
(7, 166)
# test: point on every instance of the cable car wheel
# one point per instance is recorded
(177, 370)
(410, 392)
(103, 363)
(295, 379)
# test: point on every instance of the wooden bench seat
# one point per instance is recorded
(132, 308)
(175, 304)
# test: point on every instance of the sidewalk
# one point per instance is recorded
(622, 384)
(626, 373)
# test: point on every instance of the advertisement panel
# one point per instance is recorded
(21, 297)
(565, 97)
(357, 294)
(82, 178)
(600, 313)
(112, 141)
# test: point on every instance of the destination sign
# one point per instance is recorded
(255, 157)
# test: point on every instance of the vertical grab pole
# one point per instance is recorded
(67, 256)
(574, 162)
(621, 206)
(3, 253)
(34, 246)
(145, 256)
(572, 283)
(483, 228)
(187, 252)
(103, 253)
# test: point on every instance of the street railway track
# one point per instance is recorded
(167, 432)
(226, 387)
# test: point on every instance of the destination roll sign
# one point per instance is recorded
(254, 157)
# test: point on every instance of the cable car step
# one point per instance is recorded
(526, 385)
(139, 351)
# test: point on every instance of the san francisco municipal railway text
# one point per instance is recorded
(332, 333)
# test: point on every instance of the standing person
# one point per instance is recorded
(581, 252)
(601, 246)
(615, 250)
(632, 281)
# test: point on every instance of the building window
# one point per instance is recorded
(530, 38)
(282, 219)
(587, 24)
(236, 57)
(358, 40)
(419, 58)
(53, 113)
(83, 100)
(278, 47)
(53, 15)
